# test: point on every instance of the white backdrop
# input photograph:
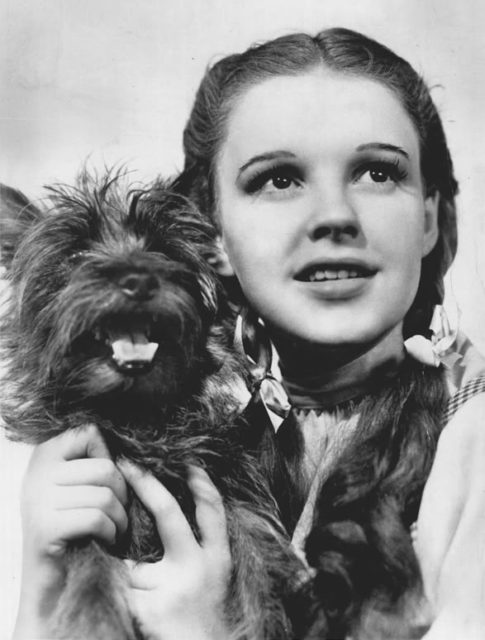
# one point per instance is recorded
(114, 80)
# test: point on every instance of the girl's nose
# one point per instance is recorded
(333, 217)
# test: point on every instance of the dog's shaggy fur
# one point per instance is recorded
(114, 319)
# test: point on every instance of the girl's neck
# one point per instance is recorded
(323, 376)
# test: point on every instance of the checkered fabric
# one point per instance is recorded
(471, 388)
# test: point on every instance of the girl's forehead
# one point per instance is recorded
(315, 107)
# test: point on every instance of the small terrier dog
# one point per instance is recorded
(115, 319)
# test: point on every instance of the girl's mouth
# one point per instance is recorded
(324, 272)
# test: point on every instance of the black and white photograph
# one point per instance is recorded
(242, 320)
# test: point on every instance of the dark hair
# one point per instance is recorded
(359, 543)
(351, 53)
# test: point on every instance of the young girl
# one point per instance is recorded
(322, 161)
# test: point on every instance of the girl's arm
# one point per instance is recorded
(182, 596)
(71, 490)
(451, 528)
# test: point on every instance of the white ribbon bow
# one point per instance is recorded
(437, 350)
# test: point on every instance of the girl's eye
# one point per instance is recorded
(274, 181)
(281, 182)
(381, 173)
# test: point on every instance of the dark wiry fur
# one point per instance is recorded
(67, 278)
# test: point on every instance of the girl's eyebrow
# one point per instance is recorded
(270, 155)
(382, 146)
(273, 155)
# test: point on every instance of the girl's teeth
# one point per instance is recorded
(327, 274)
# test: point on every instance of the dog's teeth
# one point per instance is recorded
(128, 353)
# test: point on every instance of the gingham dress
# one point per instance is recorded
(470, 389)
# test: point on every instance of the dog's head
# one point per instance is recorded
(111, 289)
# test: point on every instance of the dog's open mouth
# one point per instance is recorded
(132, 349)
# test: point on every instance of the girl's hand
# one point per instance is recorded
(71, 490)
(182, 596)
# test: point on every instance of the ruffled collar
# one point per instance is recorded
(330, 389)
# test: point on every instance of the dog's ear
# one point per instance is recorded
(17, 214)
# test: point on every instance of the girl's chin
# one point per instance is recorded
(345, 339)
(331, 339)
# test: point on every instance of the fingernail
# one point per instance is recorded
(196, 469)
(128, 468)
(198, 473)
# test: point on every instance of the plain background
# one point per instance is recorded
(113, 81)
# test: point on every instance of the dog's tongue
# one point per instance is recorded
(131, 350)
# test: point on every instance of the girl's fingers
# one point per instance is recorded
(143, 575)
(79, 456)
(80, 523)
(209, 510)
(92, 497)
(83, 442)
(173, 528)
(99, 472)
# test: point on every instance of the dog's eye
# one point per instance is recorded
(76, 257)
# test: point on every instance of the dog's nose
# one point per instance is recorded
(140, 286)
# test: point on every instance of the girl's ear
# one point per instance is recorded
(431, 227)
(220, 260)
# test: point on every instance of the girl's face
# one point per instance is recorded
(321, 206)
